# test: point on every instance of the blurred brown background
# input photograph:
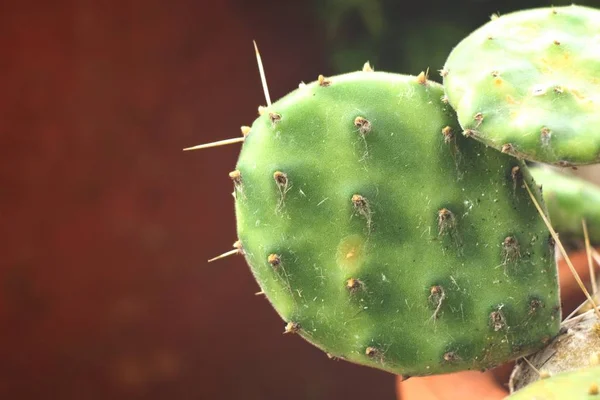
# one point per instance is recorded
(106, 225)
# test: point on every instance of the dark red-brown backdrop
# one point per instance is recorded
(106, 225)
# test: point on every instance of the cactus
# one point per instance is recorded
(528, 83)
(576, 347)
(570, 199)
(574, 385)
(384, 238)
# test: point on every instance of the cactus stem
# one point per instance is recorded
(565, 164)
(263, 78)
(542, 374)
(215, 144)
(596, 329)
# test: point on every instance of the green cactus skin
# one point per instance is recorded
(528, 83)
(574, 385)
(386, 240)
(570, 199)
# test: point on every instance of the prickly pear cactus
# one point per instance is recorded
(577, 346)
(574, 385)
(385, 238)
(528, 83)
(570, 199)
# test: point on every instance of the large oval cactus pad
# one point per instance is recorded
(384, 238)
(528, 83)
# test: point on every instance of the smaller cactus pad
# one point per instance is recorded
(528, 83)
(582, 384)
(570, 199)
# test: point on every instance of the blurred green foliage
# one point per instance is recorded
(404, 37)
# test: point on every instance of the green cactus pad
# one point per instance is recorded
(385, 239)
(582, 384)
(570, 199)
(528, 83)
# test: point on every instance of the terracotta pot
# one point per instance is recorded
(490, 385)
